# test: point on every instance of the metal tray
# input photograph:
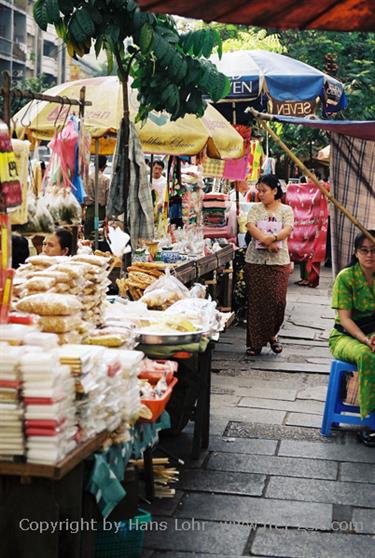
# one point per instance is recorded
(178, 338)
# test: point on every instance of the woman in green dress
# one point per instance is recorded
(353, 337)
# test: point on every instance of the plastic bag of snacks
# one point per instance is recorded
(50, 304)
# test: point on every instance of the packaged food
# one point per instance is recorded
(59, 324)
(39, 283)
(72, 337)
(90, 259)
(50, 304)
(59, 276)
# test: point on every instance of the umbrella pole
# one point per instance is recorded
(96, 197)
(261, 118)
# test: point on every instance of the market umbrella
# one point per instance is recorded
(288, 86)
(159, 135)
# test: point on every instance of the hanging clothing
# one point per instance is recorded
(140, 213)
(21, 151)
(352, 292)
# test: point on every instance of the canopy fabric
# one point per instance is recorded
(352, 170)
(345, 15)
(283, 78)
(353, 128)
(159, 135)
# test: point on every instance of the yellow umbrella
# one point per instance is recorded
(185, 136)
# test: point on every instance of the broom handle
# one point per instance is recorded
(311, 175)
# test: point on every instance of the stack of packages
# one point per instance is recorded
(11, 409)
(87, 367)
(58, 313)
(106, 386)
(84, 276)
(95, 273)
(215, 207)
(48, 391)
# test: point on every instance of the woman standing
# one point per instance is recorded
(353, 337)
(267, 266)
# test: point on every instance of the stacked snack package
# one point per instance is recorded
(11, 408)
(106, 386)
(58, 313)
(95, 272)
(48, 391)
(84, 276)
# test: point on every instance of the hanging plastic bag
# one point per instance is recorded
(164, 292)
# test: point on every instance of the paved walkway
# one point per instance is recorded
(269, 484)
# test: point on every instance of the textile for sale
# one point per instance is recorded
(138, 206)
(307, 242)
(10, 187)
(21, 151)
(353, 185)
(213, 168)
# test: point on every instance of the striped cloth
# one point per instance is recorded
(353, 185)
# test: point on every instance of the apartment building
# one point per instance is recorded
(26, 51)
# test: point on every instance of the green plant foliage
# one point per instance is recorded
(169, 69)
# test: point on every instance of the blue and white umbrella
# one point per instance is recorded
(278, 83)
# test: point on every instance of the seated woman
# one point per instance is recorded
(353, 337)
(59, 243)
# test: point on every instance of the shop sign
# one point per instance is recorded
(293, 108)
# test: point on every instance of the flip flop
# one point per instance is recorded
(276, 347)
(250, 351)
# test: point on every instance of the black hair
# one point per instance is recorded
(303, 180)
(273, 182)
(358, 241)
(102, 162)
(20, 250)
(65, 239)
(318, 175)
(160, 163)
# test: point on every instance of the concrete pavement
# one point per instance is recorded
(270, 485)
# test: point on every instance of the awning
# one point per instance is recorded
(353, 128)
(345, 15)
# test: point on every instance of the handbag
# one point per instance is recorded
(268, 227)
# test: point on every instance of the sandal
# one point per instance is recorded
(367, 437)
(250, 351)
(276, 347)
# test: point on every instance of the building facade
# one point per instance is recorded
(26, 51)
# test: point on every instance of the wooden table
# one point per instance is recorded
(31, 494)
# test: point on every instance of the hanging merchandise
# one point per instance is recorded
(21, 151)
(138, 205)
(6, 273)
(10, 187)
(237, 169)
(192, 180)
(213, 168)
(256, 159)
(176, 191)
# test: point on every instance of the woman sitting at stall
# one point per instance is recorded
(267, 265)
(353, 337)
(59, 243)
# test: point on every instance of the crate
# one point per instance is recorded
(127, 542)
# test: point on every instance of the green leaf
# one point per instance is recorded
(98, 45)
(96, 16)
(198, 38)
(159, 46)
(85, 21)
(187, 41)
(146, 37)
(208, 43)
(76, 30)
(53, 11)
(40, 14)
(66, 6)
(61, 29)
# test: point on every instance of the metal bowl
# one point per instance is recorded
(178, 338)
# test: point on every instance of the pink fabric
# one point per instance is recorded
(219, 204)
(236, 169)
(215, 196)
(309, 236)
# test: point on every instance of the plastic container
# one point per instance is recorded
(157, 406)
(127, 542)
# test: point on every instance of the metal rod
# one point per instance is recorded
(82, 101)
(262, 120)
(25, 94)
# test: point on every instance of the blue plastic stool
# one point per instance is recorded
(334, 406)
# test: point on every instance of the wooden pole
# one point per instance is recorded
(96, 196)
(262, 118)
(82, 98)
